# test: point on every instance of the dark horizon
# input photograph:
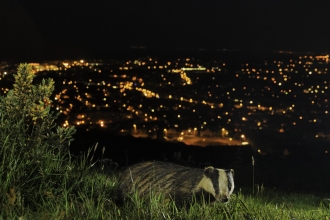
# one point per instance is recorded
(61, 29)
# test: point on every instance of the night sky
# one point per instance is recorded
(60, 29)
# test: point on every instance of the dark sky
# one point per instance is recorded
(31, 28)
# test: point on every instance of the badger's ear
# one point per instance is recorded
(230, 171)
(208, 170)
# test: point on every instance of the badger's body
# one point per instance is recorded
(182, 184)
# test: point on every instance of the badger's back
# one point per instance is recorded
(171, 180)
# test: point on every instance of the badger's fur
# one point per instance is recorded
(182, 184)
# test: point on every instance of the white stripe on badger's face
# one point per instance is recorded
(223, 184)
(230, 177)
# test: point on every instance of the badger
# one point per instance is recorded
(181, 184)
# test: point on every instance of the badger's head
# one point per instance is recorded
(218, 182)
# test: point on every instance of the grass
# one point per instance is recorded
(84, 189)
(92, 196)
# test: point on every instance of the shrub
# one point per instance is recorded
(34, 158)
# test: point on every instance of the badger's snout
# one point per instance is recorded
(220, 198)
(224, 199)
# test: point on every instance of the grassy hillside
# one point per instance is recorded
(94, 198)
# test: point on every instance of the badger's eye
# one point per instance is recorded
(229, 186)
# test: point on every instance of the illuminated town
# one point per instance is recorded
(259, 102)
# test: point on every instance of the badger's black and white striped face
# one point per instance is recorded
(218, 182)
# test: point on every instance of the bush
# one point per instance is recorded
(34, 158)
